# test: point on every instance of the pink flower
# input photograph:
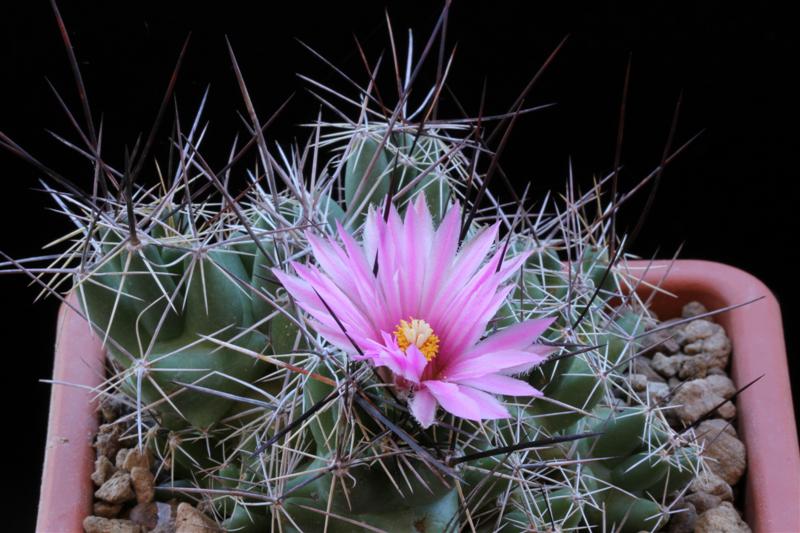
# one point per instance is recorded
(422, 315)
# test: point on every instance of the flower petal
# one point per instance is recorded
(490, 407)
(328, 295)
(422, 238)
(334, 334)
(303, 290)
(423, 407)
(473, 317)
(416, 363)
(371, 235)
(409, 364)
(490, 363)
(464, 265)
(443, 250)
(389, 262)
(466, 402)
(453, 400)
(541, 350)
(500, 384)
(414, 251)
(514, 337)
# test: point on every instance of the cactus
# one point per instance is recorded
(378, 159)
(252, 412)
(157, 319)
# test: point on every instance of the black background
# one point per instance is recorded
(729, 198)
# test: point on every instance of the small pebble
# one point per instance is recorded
(111, 407)
(166, 517)
(107, 440)
(721, 385)
(119, 460)
(106, 510)
(726, 454)
(143, 484)
(693, 309)
(715, 349)
(638, 382)
(710, 483)
(684, 519)
(694, 400)
(136, 457)
(663, 340)
(145, 514)
(98, 524)
(722, 519)
(657, 393)
(103, 469)
(727, 411)
(667, 366)
(703, 501)
(693, 368)
(698, 329)
(715, 425)
(190, 520)
(642, 365)
(718, 348)
(117, 489)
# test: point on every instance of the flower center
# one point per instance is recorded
(419, 333)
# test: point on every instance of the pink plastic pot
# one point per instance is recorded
(765, 421)
(65, 498)
(766, 417)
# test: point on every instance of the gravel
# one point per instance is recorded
(686, 372)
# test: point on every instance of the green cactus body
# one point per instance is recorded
(621, 434)
(128, 299)
(595, 263)
(628, 514)
(433, 516)
(579, 385)
(361, 187)
(395, 161)
(247, 519)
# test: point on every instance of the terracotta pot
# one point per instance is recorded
(765, 422)
(66, 494)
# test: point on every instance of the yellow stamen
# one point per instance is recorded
(419, 333)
